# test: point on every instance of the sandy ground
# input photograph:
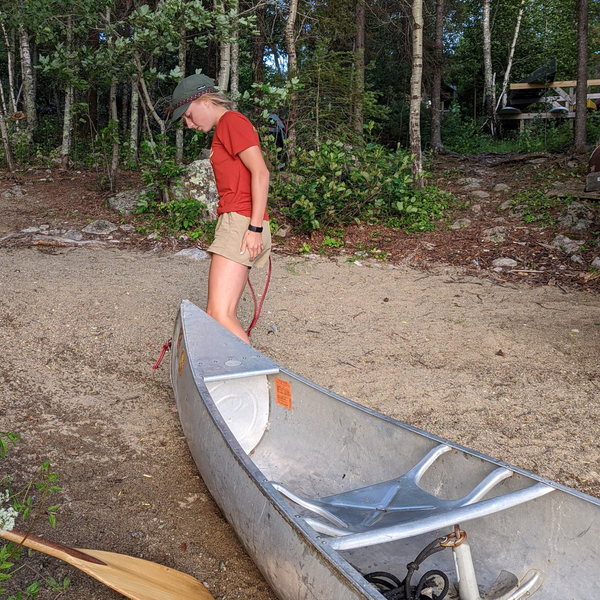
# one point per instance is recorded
(505, 369)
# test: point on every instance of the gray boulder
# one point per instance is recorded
(577, 216)
(198, 182)
(73, 234)
(100, 227)
(193, 253)
(13, 192)
(505, 262)
(562, 242)
(461, 223)
(495, 234)
(126, 202)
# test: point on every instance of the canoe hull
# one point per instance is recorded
(290, 555)
(249, 423)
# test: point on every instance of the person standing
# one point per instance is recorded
(242, 236)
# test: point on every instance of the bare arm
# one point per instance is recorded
(259, 188)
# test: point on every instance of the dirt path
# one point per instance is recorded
(506, 369)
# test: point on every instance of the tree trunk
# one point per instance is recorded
(488, 103)
(114, 122)
(68, 114)
(290, 41)
(10, 163)
(181, 124)
(124, 109)
(235, 60)
(134, 121)
(436, 86)
(580, 137)
(11, 69)
(415, 92)
(258, 54)
(28, 83)
(359, 52)
(224, 54)
(92, 91)
(65, 151)
(148, 102)
(224, 66)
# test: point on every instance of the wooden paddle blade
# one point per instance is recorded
(140, 579)
(135, 578)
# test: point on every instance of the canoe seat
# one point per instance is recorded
(400, 508)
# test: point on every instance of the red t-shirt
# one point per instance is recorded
(233, 134)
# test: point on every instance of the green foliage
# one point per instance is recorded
(29, 502)
(185, 215)
(336, 184)
(159, 167)
(162, 212)
(537, 207)
(462, 134)
(325, 109)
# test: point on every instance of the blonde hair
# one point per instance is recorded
(217, 98)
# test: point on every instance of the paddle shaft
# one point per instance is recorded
(47, 547)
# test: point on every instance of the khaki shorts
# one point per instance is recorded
(229, 233)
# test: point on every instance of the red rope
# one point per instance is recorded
(165, 347)
(258, 306)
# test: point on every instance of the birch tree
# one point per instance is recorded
(579, 141)
(235, 58)
(488, 103)
(134, 121)
(224, 54)
(181, 125)
(436, 86)
(290, 42)
(28, 83)
(359, 51)
(8, 155)
(10, 59)
(68, 114)
(511, 54)
(415, 92)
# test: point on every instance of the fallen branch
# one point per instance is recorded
(28, 239)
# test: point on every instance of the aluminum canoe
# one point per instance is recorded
(321, 490)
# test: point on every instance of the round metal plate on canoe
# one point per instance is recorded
(233, 363)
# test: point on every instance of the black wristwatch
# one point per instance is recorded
(255, 229)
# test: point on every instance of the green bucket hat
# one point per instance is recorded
(189, 89)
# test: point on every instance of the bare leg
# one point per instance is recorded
(226, 283)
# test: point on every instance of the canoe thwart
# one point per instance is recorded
(402, 505)
(442, 519)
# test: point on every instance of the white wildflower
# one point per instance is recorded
(7, 515)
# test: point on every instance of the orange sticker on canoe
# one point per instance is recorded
(283, 393)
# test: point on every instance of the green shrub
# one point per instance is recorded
(336, 184)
